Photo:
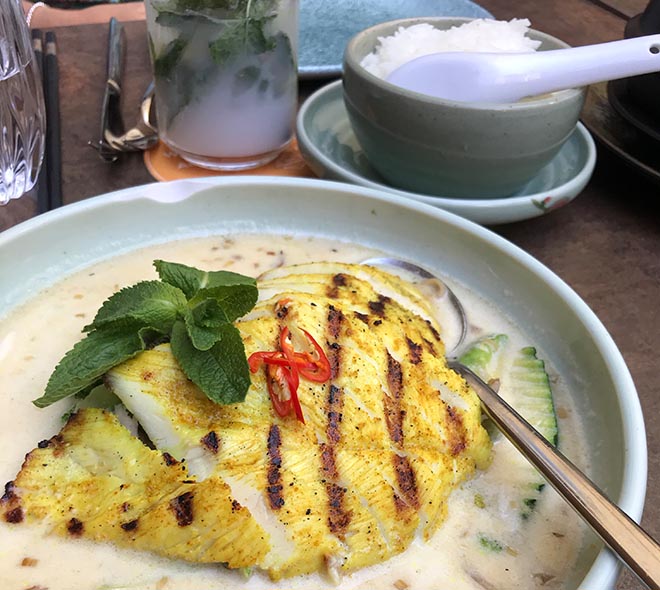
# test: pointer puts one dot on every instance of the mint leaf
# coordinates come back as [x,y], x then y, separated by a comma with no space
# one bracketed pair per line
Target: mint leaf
[190,308]
[190,279]
[229,44]
[225,278]
[88,361]
[203,323]
[186,278]
[244,36]
[165,62]
[233,300]
[151,337]
[257,40]
[149,303]
[221,372]
[209,313]
[203,338]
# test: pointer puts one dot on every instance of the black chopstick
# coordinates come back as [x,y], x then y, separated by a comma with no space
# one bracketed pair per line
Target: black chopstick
[43,203]
[53,159]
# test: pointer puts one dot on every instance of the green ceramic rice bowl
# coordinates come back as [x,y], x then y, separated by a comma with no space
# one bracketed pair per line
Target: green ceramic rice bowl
[454,149]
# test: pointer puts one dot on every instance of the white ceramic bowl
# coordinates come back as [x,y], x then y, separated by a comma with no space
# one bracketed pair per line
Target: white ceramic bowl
[42,250]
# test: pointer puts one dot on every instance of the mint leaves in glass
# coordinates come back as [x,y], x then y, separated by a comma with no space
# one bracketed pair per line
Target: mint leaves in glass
[226,78]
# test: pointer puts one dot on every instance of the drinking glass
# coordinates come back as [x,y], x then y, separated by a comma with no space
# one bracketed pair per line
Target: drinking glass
[22,114]
[225,74]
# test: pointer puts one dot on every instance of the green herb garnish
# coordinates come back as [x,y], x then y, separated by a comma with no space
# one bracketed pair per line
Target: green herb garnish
[190,308]
[489,543]
[479,501]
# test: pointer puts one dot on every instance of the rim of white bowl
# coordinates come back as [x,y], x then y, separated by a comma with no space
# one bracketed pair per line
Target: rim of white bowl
[604,570]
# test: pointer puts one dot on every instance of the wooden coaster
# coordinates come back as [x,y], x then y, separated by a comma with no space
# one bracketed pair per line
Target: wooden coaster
[163,164]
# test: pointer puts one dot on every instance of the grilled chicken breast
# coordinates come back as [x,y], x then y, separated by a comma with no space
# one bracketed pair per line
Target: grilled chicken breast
[385,441]
[96,480]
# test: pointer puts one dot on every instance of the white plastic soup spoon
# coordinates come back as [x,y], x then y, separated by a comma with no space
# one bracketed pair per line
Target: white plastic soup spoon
[508,77]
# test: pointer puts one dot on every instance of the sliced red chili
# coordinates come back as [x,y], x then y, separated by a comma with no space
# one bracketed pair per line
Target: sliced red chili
[313,366]
[256,359]
[277,388]
[317,368]
[285,345]
[284,368]
[283,390]
[297,409]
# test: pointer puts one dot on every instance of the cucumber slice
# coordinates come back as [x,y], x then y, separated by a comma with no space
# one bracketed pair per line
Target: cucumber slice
[483,356]
[529,387]
[525,385]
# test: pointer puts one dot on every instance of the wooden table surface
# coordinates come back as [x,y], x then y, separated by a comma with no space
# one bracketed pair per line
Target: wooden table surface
[606,244]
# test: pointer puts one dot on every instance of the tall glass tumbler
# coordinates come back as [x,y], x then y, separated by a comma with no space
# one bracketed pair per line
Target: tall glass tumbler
[226,78]
[22,115]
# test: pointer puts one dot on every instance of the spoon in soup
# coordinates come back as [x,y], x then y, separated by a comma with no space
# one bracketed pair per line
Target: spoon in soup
[509,77]
[636,548]
[437,292]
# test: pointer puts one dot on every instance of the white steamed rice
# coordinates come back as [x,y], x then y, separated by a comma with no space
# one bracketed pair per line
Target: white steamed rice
[484,35]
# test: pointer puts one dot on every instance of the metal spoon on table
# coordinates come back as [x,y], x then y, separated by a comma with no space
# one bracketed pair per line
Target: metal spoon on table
[635,548]
[138,138]
[114,138]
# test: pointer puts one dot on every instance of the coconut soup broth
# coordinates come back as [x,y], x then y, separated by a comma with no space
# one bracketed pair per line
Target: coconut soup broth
[528,553]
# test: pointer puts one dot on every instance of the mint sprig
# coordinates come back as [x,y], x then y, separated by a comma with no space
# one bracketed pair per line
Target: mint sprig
[221,371]
[191,280]
[190,308]
[149,303]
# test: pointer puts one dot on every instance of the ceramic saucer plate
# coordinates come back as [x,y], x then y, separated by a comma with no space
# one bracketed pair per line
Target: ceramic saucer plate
[326,27]
[329,146]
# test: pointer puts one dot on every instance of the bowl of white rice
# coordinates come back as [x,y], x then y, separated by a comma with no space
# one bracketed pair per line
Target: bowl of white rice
[433,146]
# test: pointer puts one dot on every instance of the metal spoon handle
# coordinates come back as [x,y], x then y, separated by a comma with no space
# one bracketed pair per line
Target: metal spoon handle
[629,541]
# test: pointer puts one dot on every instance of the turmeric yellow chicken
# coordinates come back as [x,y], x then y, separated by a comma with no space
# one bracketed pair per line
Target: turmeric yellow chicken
[376,440]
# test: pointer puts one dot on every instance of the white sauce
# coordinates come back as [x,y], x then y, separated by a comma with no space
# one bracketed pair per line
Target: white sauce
[536,553]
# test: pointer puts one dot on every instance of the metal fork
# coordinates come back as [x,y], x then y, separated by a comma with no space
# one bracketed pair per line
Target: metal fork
[138,138]
[114,139]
